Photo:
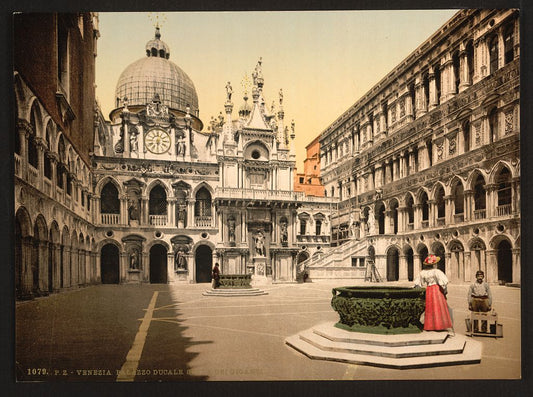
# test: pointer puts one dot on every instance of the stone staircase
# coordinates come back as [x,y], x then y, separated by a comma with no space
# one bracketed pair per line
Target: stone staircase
[404,351]
[234,292]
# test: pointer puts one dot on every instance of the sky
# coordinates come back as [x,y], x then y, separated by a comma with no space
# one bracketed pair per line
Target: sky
[323,60]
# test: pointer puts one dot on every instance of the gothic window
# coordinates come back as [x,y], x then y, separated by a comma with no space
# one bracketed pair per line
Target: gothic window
[470,61]
[47,163]
[437,82]
[429,145]
[508,42]
[380,212]
[441,205]
[458,198]
[479,193]
[456,71]
[62,57]
[425,206]
[69,184]
[410,209]
[466,136]
[33,158]
[157,204]
[109,202]
[493,125]
[503,181]
[493,52]
[202,206]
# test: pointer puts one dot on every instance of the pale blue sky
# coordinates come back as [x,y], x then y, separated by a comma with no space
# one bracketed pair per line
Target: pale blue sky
[324,61]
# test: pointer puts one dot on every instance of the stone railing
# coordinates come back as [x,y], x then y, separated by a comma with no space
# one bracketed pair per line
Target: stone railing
[18,166]
[110,219]
[157,220]
[307,238]
[235,281]
[458,218]
[503,210]
[480,214]
[47,187]
[33,176]
[203,221]
[258,194]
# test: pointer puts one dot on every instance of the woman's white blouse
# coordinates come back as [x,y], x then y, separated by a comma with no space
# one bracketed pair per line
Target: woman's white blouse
[431,277]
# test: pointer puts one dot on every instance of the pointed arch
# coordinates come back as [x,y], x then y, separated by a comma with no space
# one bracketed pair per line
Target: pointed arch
[162,184]
[104,181]
[23,218]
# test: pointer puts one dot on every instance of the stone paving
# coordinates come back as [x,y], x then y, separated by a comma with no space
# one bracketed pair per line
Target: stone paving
[172,333]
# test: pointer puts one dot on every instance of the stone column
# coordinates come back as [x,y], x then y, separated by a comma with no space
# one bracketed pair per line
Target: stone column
[433,100]
[491,275]
[464,81]
[450,271]
[402,271]
[468,266]
[66,267]
[432,213]
[389,227]
[190,213]
[412,164]
[491,200]
[378,172]
[469,204]
[123,210]
[27,274]
[171,212]
[416,265]
[448,200]
[516,265]
[515,188]
[402,216]
[387,177]
[418,216]
[447,78]
[402,165]
[144,210]
[43,265]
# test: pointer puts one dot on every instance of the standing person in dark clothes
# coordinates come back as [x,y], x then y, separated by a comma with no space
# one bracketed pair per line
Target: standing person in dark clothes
[216,276]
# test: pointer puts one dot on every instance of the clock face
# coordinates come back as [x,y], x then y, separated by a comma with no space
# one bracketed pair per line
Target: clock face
[157,141]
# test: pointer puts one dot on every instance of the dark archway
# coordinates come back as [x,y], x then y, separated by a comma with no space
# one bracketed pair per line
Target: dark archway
[158,264]
[302,256]
[109,264]
[204,264]
[393,264]
[18,259]
[505,262]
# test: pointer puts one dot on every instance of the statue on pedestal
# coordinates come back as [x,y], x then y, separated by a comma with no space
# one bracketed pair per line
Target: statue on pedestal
[259,240]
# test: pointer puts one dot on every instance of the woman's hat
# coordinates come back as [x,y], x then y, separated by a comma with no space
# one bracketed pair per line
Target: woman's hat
[431,260]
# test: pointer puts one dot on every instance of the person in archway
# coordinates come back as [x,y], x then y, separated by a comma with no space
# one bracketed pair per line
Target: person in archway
[215,275]
[437,316]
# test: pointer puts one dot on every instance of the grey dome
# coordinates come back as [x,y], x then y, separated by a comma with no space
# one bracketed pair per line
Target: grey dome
[155,74]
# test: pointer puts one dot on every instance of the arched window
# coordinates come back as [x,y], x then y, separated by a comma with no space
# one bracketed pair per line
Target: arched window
[303,227]
[33,157]
[47,163]
[458,198]
[508,43]
[493,51]
[425,206]
[410,210]
[202,206]
[466,136]
[318,227]
[380,212]
[436,70]
[109,201]
[493,125]
[158,201]
[479,193]
[470,61]
[503,180]
[441,205]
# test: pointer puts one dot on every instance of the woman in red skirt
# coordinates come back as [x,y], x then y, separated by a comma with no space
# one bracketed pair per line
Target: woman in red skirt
[437,317]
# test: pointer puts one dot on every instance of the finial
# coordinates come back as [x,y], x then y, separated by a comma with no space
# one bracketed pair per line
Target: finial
[281,96]
[125,102]
[229,91]
[156,18]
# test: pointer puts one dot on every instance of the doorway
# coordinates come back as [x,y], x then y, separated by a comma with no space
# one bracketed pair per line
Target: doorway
[158,264]
[204,264]
[109,264]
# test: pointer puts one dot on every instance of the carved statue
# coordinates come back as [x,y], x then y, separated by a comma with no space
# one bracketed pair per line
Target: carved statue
[229,91]
[259,240]
[134,145]
[371,222]
[231,225]
[134,259]
[181,147]
[284,234]
[133,210]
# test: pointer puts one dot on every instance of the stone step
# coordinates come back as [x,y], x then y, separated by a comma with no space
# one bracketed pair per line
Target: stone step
[471,354]
[329,331]
[234,292]
[453,345]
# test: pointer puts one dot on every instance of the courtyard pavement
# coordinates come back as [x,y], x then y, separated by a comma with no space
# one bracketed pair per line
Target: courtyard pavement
[157,332]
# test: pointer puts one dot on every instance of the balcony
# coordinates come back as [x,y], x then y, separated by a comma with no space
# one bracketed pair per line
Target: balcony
[33,176]
[312,239]
[257,194]
[503,210]
[458,218]
[441,221]
[425,224]
[480,214]
[203,221]
[410,226]
[47,187]
[18,165]
[110,219]
[157,220]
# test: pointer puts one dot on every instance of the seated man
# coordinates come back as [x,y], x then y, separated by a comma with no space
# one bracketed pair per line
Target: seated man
[480,297]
